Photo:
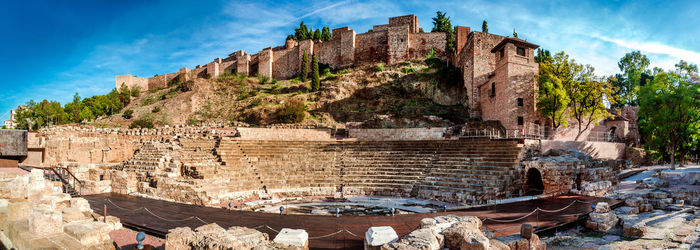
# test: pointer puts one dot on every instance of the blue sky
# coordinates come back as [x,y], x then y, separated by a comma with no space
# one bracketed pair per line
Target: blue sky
[52,49]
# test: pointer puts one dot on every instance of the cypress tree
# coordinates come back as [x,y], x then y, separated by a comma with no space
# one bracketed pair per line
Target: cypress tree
[316,80]
[485,27]
[304,67]
[317,35]
[326,34]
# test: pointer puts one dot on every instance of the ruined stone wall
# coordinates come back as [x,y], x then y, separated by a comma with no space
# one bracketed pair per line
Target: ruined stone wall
[397,134]
[284,134]
[265,59]
[605,150]
[421,44]
[13,142]
[86,148]
[371,47]
[347,48]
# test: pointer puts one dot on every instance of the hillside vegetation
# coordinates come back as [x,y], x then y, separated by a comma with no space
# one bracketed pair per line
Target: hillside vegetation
[412,94]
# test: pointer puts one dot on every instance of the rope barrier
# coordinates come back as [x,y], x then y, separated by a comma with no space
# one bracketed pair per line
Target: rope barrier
[171,220]
[268,227]
[512,220]
[327,235]
[110,201]
[348,231]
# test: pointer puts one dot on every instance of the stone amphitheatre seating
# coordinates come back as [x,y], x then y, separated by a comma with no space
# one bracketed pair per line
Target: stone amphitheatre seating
[466,171]
[301,167]
[472,170]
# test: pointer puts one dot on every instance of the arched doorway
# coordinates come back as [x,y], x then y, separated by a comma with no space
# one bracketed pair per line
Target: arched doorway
[534,184]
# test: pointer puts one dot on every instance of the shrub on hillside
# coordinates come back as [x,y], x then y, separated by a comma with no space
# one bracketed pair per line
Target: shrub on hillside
[155,110]
[293,111]
[136,91]
[128,114]
[379,67]
[143,122]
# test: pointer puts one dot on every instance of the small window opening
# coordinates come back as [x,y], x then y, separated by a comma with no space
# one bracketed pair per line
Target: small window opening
[521,121]
[521,51]
[493,89]
[520,102]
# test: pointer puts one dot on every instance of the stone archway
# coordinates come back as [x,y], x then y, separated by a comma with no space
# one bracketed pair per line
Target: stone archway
[533,182]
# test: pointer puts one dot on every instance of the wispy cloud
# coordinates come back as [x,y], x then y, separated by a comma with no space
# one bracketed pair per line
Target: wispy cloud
[654,47]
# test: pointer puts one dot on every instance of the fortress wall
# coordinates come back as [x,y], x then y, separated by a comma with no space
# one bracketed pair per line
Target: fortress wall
[398,44]
[327,52]
[397,134]
[408,20]
[422,43]
[283,134]
[265,59]
[371,46]
[200,72]
[131,82]
[308,47]
[161,81]
[347,48]
[227,66]
[285,63]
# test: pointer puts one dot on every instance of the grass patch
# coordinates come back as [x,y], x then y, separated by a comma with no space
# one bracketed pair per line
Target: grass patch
[379,67]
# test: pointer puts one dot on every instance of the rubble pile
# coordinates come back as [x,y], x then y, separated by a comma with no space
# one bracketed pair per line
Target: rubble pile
[213,236]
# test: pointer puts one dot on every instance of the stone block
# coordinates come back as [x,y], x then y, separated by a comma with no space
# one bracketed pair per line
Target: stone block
[88,234]
[636,230]
[71,214]
[464,234]
[179,238]
[18,187]
[56,201]
[44,221]
[602,207]
[18,210]
[628,210]
[602,217]
[497,245]
[634,201]
[36,175]
[377,236]
[38,189]
[474,242]
[293,237]
[526,231]
[81,204]
[646,208]
[4,203]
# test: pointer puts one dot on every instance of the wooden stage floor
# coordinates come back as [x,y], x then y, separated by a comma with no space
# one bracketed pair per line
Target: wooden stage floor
[157,217]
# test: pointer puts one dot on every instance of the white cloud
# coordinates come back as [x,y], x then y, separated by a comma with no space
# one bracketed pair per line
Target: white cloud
[653,47]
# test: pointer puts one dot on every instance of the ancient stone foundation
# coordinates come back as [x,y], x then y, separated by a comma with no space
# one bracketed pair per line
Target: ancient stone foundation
[35,214]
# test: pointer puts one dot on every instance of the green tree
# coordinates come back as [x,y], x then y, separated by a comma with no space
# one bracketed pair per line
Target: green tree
[552,100]
[542,55]
[304,67]
[290,37]
[587,93]
[515,34]
[76,108]
[316,80]
[136,91]
[442,23]
[317,35]
[124,94]
[669,112]
[302,33]
[326,34]
[485,27]
[632,66]
[86,114]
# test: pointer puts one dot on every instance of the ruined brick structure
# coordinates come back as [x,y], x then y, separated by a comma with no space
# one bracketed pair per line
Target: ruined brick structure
[498,72]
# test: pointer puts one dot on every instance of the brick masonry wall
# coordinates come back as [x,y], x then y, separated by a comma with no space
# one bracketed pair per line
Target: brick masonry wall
[285,63]
[371,47]
[409,20]
[161,81]
[514,78]
[347,48]
[397,134]
[398,44]
[327,52]
[422,43]
[131,82]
